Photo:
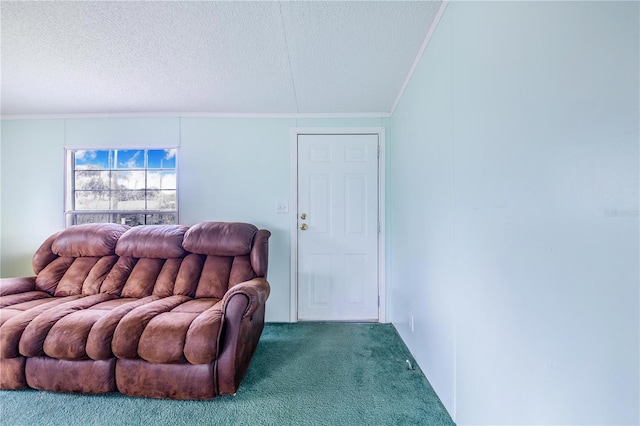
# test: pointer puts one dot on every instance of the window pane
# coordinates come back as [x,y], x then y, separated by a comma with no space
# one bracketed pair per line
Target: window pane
[162,219]
[93,180]
[125,218]
[128,200]
[92,200]
[161,200]
[87,159]
[130,159]
[162,158]
[128,180]
[161,180]
[81,219]
[131,219]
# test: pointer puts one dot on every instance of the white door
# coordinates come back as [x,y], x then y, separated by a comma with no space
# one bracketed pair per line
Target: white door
[337,227]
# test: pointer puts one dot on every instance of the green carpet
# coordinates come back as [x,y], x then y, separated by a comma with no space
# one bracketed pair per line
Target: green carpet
[301,374]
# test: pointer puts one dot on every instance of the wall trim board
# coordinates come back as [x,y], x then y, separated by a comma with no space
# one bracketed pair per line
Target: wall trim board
[416,61]
[197,115]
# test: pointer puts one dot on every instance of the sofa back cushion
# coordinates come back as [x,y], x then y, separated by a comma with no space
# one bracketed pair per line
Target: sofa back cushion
[220,238]
[202,261]
[157,251]
[89,240]
[78,259]
[152,241]
[227,247]
[44,256]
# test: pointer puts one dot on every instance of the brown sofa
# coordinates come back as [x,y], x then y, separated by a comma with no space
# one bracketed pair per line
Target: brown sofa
[162,311]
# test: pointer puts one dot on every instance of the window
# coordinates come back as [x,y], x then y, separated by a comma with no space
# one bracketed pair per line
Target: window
[127,186]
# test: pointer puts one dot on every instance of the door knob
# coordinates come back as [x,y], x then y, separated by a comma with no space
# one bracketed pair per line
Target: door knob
[303,216]
[304,227]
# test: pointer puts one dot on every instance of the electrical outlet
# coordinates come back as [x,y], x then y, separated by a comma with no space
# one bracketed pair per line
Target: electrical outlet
[411,322]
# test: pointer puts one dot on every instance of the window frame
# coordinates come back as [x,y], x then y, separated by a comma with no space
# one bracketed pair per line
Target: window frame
[70,213]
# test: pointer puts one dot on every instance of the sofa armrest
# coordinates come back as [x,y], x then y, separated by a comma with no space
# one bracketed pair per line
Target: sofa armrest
[256,290]
[243,321]
[17,285]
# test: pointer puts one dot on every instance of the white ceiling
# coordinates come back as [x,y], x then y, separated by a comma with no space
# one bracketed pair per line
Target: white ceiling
[98,57]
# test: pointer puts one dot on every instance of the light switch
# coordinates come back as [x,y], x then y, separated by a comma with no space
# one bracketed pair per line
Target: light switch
[282,207]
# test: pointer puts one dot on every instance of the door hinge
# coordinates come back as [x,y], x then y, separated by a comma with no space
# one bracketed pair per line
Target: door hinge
[378,300]
[378,151]
[379,227]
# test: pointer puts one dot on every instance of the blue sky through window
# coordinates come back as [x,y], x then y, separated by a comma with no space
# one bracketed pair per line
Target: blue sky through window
[86,159]
[130,159]
[125,159]
[162,158]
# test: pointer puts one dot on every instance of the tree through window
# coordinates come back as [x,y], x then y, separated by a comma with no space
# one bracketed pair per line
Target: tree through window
[127,186]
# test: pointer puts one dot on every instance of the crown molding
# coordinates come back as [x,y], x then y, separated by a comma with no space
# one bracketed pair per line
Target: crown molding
[425,43]
[193,115]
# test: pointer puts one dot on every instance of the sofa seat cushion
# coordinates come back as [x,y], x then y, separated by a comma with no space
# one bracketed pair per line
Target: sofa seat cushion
[162,341]
[129,329]
[196,306]
[201,343]
[18,308]
[8,313]
[168,337]
[34,335]
[15,299]
[99,339]
[67,339]
[12,329]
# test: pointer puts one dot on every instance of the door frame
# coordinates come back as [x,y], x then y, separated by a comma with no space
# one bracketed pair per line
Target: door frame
[380,132]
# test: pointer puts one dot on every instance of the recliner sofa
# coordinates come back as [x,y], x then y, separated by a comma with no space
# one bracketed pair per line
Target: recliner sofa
[162,311]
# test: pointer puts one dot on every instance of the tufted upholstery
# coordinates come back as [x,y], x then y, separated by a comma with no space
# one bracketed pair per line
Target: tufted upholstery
[157,242]
[90,240]
[77,260]
[114,301]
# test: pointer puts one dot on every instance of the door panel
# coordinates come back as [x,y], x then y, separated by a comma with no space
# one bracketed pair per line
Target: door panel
[338,250]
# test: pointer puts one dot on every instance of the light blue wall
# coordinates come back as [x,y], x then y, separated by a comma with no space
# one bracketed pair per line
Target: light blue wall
[233,169]
[237,170]
[32,190]
[514,183]
[420,197]
[121,132]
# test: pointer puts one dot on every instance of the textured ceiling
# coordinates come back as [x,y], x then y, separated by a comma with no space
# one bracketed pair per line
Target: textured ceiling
[98,57]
